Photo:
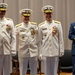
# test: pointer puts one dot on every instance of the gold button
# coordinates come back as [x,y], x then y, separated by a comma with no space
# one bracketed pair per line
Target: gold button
[45,34]
[50,40]
[22,37]
[50,45]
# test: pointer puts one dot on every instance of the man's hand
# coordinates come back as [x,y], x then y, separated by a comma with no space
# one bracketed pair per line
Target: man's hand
[61,54]
[13,53]
[40,57]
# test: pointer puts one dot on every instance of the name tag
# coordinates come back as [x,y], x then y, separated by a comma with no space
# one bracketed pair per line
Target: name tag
[22,30]
[44,29]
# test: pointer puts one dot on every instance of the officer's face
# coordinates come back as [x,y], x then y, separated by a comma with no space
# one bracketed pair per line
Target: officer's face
[26,19]
[2,14]
[48,16]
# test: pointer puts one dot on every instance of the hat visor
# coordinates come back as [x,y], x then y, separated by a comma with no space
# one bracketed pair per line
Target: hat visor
[26,14]
[3,9]
[48,11]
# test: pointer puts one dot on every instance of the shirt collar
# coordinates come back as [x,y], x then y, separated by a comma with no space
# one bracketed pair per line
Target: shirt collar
[25,25]
[49,22]
[2,19]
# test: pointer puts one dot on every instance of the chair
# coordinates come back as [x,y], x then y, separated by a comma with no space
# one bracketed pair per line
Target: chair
[66,61]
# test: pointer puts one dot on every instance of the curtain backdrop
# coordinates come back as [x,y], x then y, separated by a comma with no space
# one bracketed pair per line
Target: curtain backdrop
[64,11]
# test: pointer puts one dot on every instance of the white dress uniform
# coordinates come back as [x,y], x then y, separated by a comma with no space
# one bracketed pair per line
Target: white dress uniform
[28,50]
[7,44]
[51,46]
[7,41]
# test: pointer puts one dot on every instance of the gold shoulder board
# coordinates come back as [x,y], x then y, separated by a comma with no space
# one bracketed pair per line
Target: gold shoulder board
[57,22]
[18,25]
[8,18]
[41,23]
[34,23]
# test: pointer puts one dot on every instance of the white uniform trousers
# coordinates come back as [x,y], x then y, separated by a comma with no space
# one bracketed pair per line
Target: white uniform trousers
[51,65]
[5,64]
[23,64]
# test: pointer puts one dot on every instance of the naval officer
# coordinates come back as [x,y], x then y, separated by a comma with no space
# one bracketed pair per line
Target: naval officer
[51,41]
[7,40]
[27,42]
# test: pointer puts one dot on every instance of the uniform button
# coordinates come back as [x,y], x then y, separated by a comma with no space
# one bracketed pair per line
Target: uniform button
[50,40]
[45,34]
[50,45]
[61,42]
[50,34]
[23,37]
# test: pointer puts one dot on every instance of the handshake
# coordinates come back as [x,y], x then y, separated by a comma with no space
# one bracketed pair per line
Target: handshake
[54,31]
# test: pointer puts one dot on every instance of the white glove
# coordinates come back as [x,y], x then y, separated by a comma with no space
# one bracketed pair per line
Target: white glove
[40,57]
[13,53]
[61,54]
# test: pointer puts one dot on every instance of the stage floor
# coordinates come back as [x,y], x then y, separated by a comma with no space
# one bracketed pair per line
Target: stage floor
[62,73]
[65,73]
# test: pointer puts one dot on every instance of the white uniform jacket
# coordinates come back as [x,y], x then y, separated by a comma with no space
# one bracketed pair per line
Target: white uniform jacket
[7,36]
[50,45]
[27,41]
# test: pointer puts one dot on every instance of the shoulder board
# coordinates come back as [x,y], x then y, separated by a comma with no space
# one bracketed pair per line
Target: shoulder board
[41,23]
[34,23]
[8,18]
[57,22]
[18,25]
